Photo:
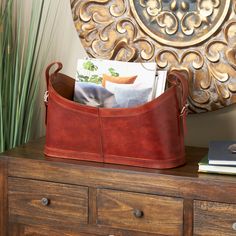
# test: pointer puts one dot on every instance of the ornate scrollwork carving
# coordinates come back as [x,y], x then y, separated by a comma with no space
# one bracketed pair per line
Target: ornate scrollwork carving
[189,15]
[189,22]
[197,36]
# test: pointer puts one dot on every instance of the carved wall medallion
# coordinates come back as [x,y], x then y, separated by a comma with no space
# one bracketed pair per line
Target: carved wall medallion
[196,36]
[180,23]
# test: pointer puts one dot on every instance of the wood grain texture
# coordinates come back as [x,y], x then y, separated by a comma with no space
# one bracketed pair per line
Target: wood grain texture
[188,217]
[163,215]
[3,197]
[92,205]
[67,203]
[171,183]
[97,199]
[16,229]
[212,218]
[25,230]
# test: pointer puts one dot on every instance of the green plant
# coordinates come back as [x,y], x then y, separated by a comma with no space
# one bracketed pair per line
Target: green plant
[20,68]
[88,65]
[91,79]
[95,79]
[113,72]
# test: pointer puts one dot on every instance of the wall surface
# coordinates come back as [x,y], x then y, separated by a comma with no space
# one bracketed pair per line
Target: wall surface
[217,125]
[66,47]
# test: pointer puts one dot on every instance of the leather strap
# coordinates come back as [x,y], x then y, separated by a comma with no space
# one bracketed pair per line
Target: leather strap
[47,72]
[47,76]
[180,80]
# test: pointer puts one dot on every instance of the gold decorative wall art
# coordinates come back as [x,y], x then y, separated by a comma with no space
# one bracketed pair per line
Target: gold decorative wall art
[195,36]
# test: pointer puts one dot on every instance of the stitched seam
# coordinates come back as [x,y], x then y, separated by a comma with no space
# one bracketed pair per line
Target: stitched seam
[101,135]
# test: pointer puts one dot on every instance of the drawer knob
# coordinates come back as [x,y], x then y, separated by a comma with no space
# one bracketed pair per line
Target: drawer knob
[45,201]
[234,226]
[138,213]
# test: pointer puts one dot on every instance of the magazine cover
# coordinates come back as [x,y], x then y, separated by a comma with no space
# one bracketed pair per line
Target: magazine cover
[132,83]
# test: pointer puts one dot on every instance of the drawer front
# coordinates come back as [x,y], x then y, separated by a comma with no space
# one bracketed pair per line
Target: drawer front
[38,202]
[25,230]
[140,212]
[212,218]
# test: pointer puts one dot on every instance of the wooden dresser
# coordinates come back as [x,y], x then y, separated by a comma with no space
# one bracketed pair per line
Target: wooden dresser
[47,197]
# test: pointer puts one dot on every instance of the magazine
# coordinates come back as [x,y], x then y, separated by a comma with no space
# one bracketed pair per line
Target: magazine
[131,83]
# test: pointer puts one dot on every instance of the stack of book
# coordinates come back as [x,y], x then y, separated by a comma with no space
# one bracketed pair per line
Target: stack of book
[221,158]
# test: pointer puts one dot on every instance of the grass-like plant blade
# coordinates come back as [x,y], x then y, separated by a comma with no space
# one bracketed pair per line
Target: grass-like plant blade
[21,64]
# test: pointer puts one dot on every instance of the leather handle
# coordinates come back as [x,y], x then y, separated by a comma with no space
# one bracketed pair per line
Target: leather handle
[180,80]
[48,69]
[47,76]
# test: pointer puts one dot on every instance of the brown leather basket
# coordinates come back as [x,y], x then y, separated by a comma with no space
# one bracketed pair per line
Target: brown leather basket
[149,135]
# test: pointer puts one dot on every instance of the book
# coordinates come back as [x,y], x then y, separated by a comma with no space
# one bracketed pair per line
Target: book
[205,167]
[220,154]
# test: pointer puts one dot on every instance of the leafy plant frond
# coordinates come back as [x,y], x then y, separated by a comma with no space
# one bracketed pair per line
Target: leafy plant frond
[21,64]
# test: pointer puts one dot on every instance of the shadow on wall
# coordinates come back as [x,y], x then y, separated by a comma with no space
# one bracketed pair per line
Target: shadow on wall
[216,125]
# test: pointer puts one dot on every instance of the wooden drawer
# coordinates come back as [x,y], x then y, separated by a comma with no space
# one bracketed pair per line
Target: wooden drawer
[140,212]
[45,203]
[212,218]
[25,230]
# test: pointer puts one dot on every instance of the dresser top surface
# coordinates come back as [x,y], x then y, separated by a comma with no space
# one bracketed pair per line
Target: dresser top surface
[28,161]
[34,151]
